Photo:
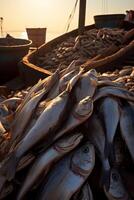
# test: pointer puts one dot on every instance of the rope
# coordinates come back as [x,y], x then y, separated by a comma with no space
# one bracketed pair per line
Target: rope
[71,16]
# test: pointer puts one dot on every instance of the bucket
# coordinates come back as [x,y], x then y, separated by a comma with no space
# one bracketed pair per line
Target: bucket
[11,52]
[109,21]
[37,35]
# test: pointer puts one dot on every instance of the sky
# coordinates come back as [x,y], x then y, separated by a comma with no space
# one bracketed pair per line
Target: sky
[53,14]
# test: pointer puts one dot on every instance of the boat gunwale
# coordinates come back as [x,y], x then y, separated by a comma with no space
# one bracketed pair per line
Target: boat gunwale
[16,46]
[26,61]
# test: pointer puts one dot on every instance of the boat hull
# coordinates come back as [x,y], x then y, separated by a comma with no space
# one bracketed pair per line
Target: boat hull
[27,67]
[9,58]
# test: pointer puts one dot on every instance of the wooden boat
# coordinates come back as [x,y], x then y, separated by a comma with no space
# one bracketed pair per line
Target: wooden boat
[111,20]
[12,51]
[27,66]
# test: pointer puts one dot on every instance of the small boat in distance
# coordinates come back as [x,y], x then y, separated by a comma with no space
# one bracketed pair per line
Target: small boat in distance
[12,51]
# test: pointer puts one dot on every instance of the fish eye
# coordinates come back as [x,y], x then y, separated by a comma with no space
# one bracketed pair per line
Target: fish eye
[115,177]
[86,150]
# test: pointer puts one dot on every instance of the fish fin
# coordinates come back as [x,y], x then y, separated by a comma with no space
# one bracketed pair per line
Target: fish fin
[105,178]
[73,81]
[69,87]
[9,167]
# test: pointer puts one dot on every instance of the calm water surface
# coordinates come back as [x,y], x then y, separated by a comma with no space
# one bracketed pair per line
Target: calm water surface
[23,35]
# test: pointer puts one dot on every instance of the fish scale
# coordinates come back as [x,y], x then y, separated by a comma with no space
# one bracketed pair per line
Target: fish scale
[42,165]
[47,122]
[96,135]
[109,111]
[67,178]
[57,170]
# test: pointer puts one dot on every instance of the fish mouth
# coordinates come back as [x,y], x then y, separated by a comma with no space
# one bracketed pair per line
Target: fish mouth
[79,171]
[79,117]
[84,110]
[125,197]
[75,141]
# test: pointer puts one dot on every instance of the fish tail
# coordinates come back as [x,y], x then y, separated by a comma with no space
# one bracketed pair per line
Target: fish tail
[105,178]
[9,167]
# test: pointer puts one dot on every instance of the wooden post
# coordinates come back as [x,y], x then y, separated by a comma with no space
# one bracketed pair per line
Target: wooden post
[1,26]
[82,15]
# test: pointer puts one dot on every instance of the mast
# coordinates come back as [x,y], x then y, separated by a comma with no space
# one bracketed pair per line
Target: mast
[82,16]
[1,26]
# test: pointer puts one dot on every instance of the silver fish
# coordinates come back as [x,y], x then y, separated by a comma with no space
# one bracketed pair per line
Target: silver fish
[106,76]
[48,122]
[110,114]
[96,136]
[80,113]
[125,72]
[103,83]
[42,84]
[113,91]
[86,86]
[12,103]
[74,65]
[61,85]
[18,126]
[66,78]
[42,165]
[117,190]
[56,90]
[127,127]
[69,174]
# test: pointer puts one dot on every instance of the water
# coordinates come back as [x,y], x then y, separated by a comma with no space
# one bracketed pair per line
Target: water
[23,35]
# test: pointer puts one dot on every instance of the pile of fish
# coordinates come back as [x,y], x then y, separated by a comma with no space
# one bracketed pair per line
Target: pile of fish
[92,43]
[123,78]
[70,136]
